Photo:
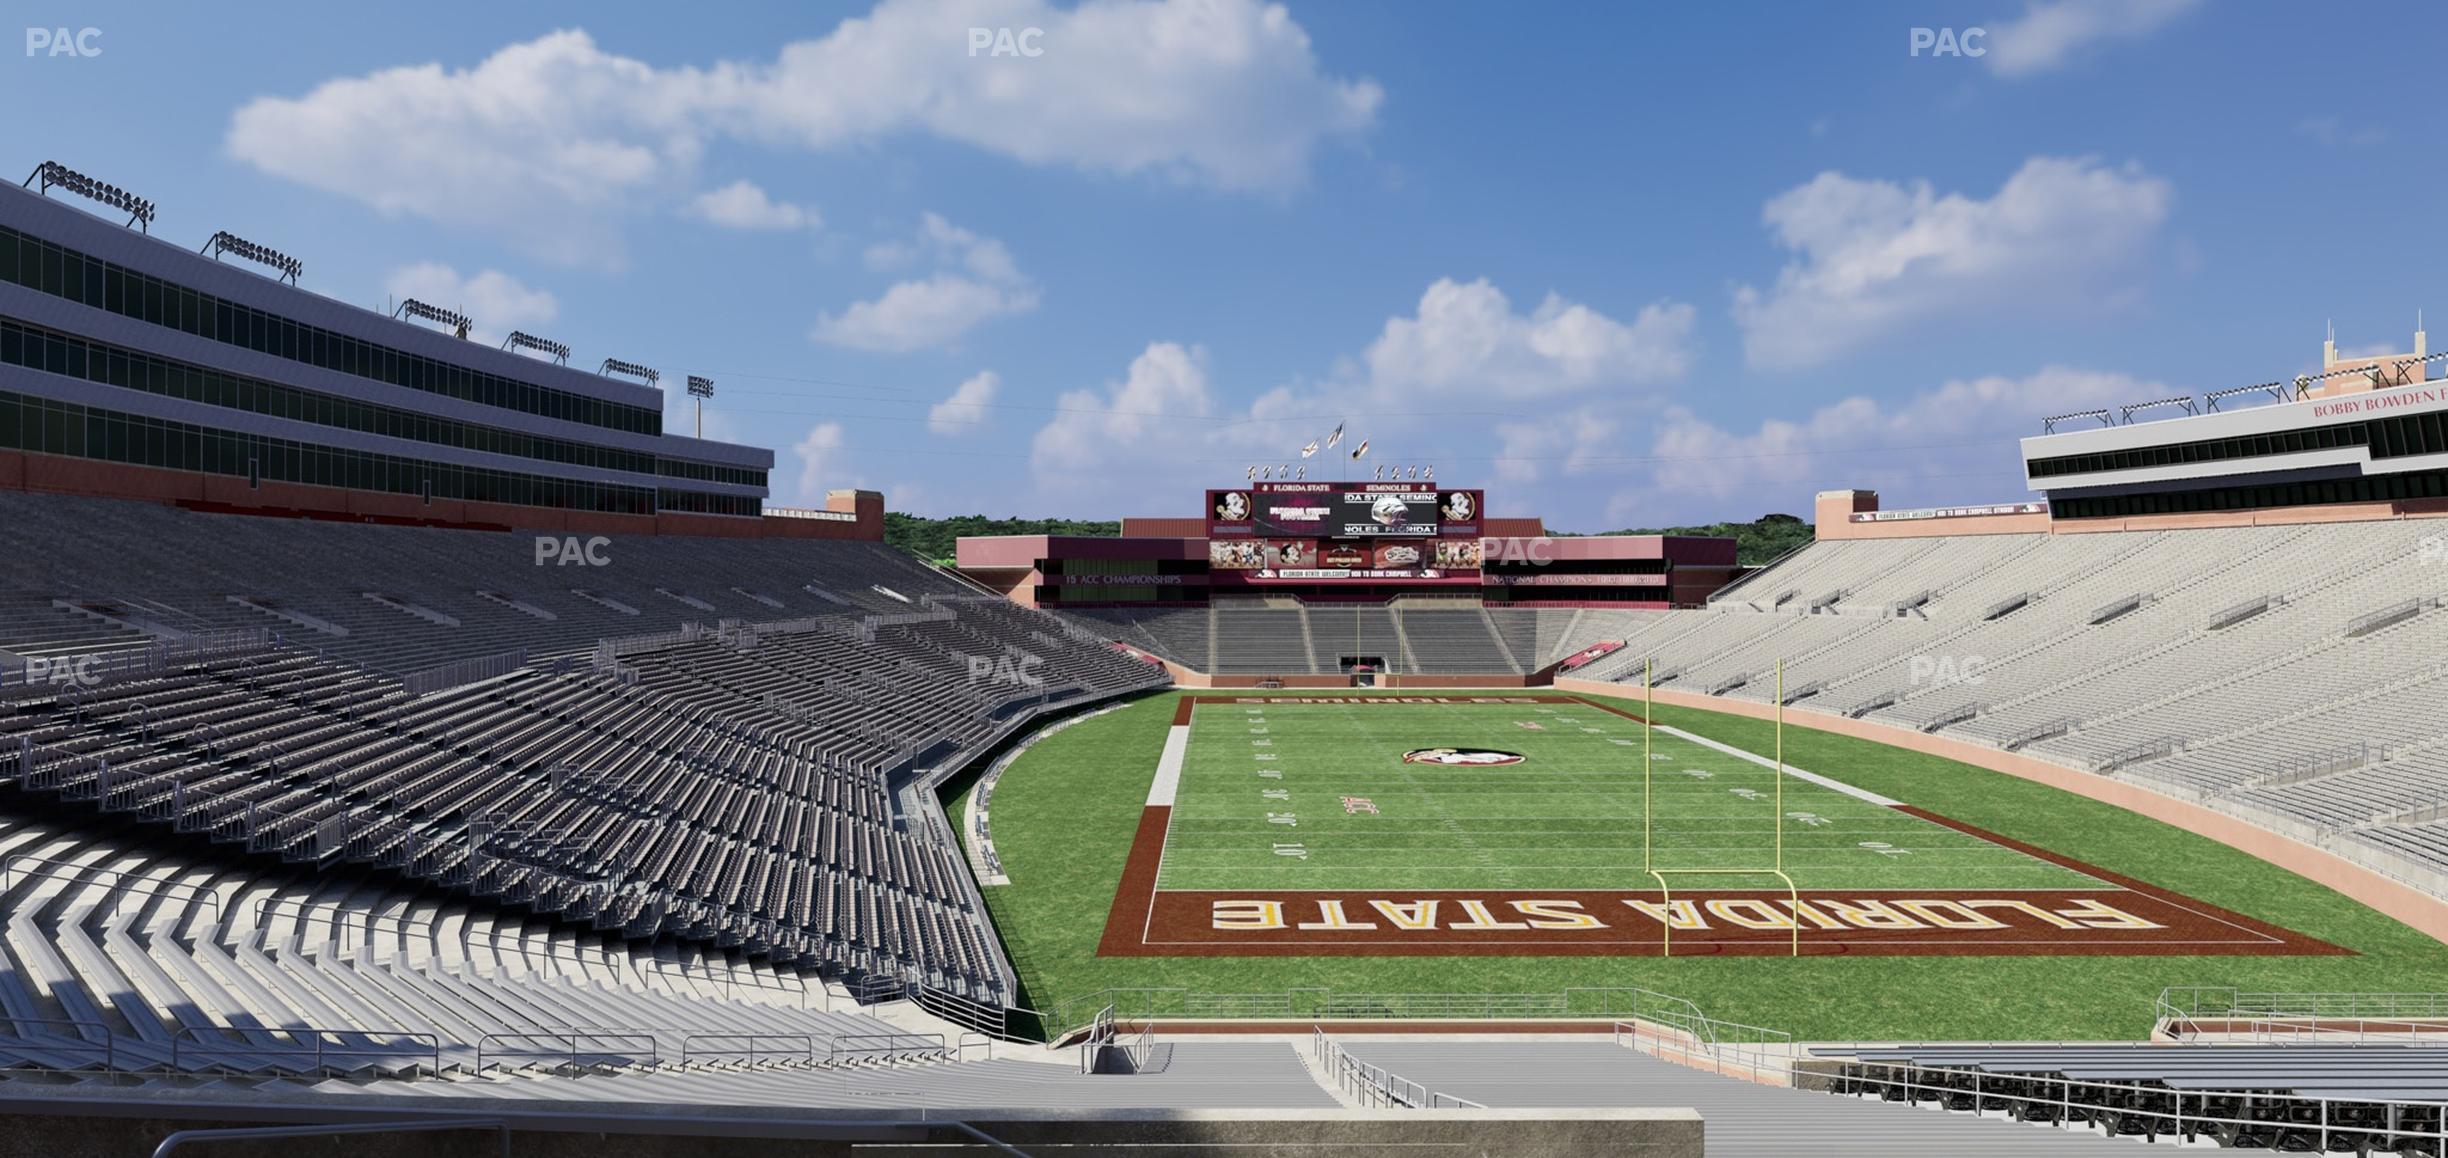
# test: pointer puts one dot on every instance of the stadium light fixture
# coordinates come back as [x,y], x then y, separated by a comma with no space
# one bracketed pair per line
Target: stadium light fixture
[521,339]
[458,322]
[647,374]
[2125,413]
[139,210]
[290,268]
[2277,390]
[700,388]
[2049,425]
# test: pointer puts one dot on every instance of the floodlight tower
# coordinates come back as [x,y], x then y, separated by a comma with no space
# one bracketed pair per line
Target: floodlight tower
[50,173]
[700,388]
[522,340]
[456,321]
[226,242]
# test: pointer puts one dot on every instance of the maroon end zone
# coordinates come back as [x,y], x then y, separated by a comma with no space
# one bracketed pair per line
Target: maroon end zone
[2127,918]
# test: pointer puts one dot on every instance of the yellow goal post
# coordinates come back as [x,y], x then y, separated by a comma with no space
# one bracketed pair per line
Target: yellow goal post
[1649,817]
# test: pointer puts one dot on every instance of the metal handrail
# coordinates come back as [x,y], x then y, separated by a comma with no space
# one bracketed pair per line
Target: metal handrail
[2130,1102]
[1306,1003]
[896,1045]
[235,1133]
[1362,1080]
[575,1038]
[9,868]
[429,1044]
[1701,1047]
[80,1044]
[754,1050]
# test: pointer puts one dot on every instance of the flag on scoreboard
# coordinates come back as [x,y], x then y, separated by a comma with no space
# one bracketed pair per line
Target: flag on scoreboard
[1335,439]
[1361,450]
[1310,449]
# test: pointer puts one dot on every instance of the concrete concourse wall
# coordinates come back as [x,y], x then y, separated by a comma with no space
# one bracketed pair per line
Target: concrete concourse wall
[550,1130]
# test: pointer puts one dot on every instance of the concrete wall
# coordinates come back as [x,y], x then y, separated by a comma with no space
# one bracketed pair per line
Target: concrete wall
[1395,682]
[1835,508]
[568,1131]
[2422,911]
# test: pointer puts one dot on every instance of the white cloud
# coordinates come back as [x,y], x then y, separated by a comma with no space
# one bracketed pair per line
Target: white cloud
[1151,423]
[1436,377]
[1940,445]
[975,281]
[966,408]
[823,462]
[1875,256]
[1466,338]
[1569,440]
[494,301]
[742,205]
[915,315]
[2050,34]
[553,141]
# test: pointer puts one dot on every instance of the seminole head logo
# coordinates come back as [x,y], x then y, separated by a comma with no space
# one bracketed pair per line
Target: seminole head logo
[1474,756]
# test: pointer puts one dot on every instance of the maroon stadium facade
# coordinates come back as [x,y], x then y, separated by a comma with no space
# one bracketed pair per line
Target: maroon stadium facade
[1348,542]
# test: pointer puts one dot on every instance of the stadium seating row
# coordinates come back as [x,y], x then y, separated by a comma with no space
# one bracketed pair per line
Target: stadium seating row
[744,786]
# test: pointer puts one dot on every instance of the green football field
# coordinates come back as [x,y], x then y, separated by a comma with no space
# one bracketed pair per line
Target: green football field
[1066,813]
[1331,778]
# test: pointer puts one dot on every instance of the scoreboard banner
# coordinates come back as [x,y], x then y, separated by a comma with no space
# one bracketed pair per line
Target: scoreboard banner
[1296,560]
[1325,510]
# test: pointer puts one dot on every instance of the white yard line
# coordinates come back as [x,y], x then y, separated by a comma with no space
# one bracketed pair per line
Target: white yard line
[1169,767]
[1790,770]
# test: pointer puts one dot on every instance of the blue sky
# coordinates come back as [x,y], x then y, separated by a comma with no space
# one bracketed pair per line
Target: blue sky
[1622,264]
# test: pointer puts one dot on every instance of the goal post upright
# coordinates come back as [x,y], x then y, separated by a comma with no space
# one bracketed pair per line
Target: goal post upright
[1648,766]
[1776,819]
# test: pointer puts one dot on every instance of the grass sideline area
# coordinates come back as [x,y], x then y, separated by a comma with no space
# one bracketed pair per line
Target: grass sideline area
[1065,813]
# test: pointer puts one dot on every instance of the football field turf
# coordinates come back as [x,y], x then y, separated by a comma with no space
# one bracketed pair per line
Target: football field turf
[1085,824]
[1319,795]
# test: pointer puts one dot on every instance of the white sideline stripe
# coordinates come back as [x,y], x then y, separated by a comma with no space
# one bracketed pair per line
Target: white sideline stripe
[1169,766]
[1790,770]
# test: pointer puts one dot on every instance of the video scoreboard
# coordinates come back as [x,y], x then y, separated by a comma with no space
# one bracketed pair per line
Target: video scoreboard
[1311,531]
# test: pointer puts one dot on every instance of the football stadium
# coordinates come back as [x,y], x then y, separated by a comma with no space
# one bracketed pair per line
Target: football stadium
[412,741]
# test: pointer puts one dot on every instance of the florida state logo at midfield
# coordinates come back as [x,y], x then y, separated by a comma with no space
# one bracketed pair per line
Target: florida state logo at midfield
[1470,756]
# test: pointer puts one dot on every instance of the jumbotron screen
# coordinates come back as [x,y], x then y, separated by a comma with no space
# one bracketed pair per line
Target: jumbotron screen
[1326,510]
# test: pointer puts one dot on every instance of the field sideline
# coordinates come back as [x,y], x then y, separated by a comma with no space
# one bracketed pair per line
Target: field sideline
[1067,811]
